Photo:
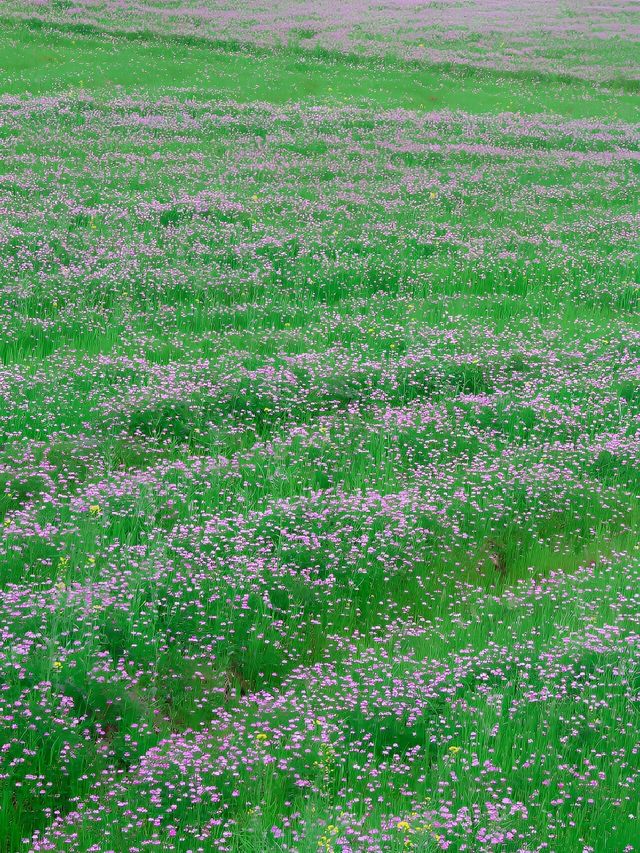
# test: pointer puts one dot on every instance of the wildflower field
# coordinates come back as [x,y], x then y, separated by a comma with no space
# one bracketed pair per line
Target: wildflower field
[319,426]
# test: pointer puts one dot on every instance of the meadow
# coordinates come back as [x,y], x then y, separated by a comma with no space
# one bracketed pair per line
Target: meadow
[319,426]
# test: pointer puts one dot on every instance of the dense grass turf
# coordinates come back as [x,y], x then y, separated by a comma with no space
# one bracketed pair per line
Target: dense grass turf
[319,412]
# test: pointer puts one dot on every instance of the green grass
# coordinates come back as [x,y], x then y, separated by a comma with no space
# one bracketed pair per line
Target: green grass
[319,388]
[42,59]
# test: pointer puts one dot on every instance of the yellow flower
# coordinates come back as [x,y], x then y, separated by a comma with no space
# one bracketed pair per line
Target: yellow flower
[404,826]
[57,664]
[94,509]
[454,749]
[261,737]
